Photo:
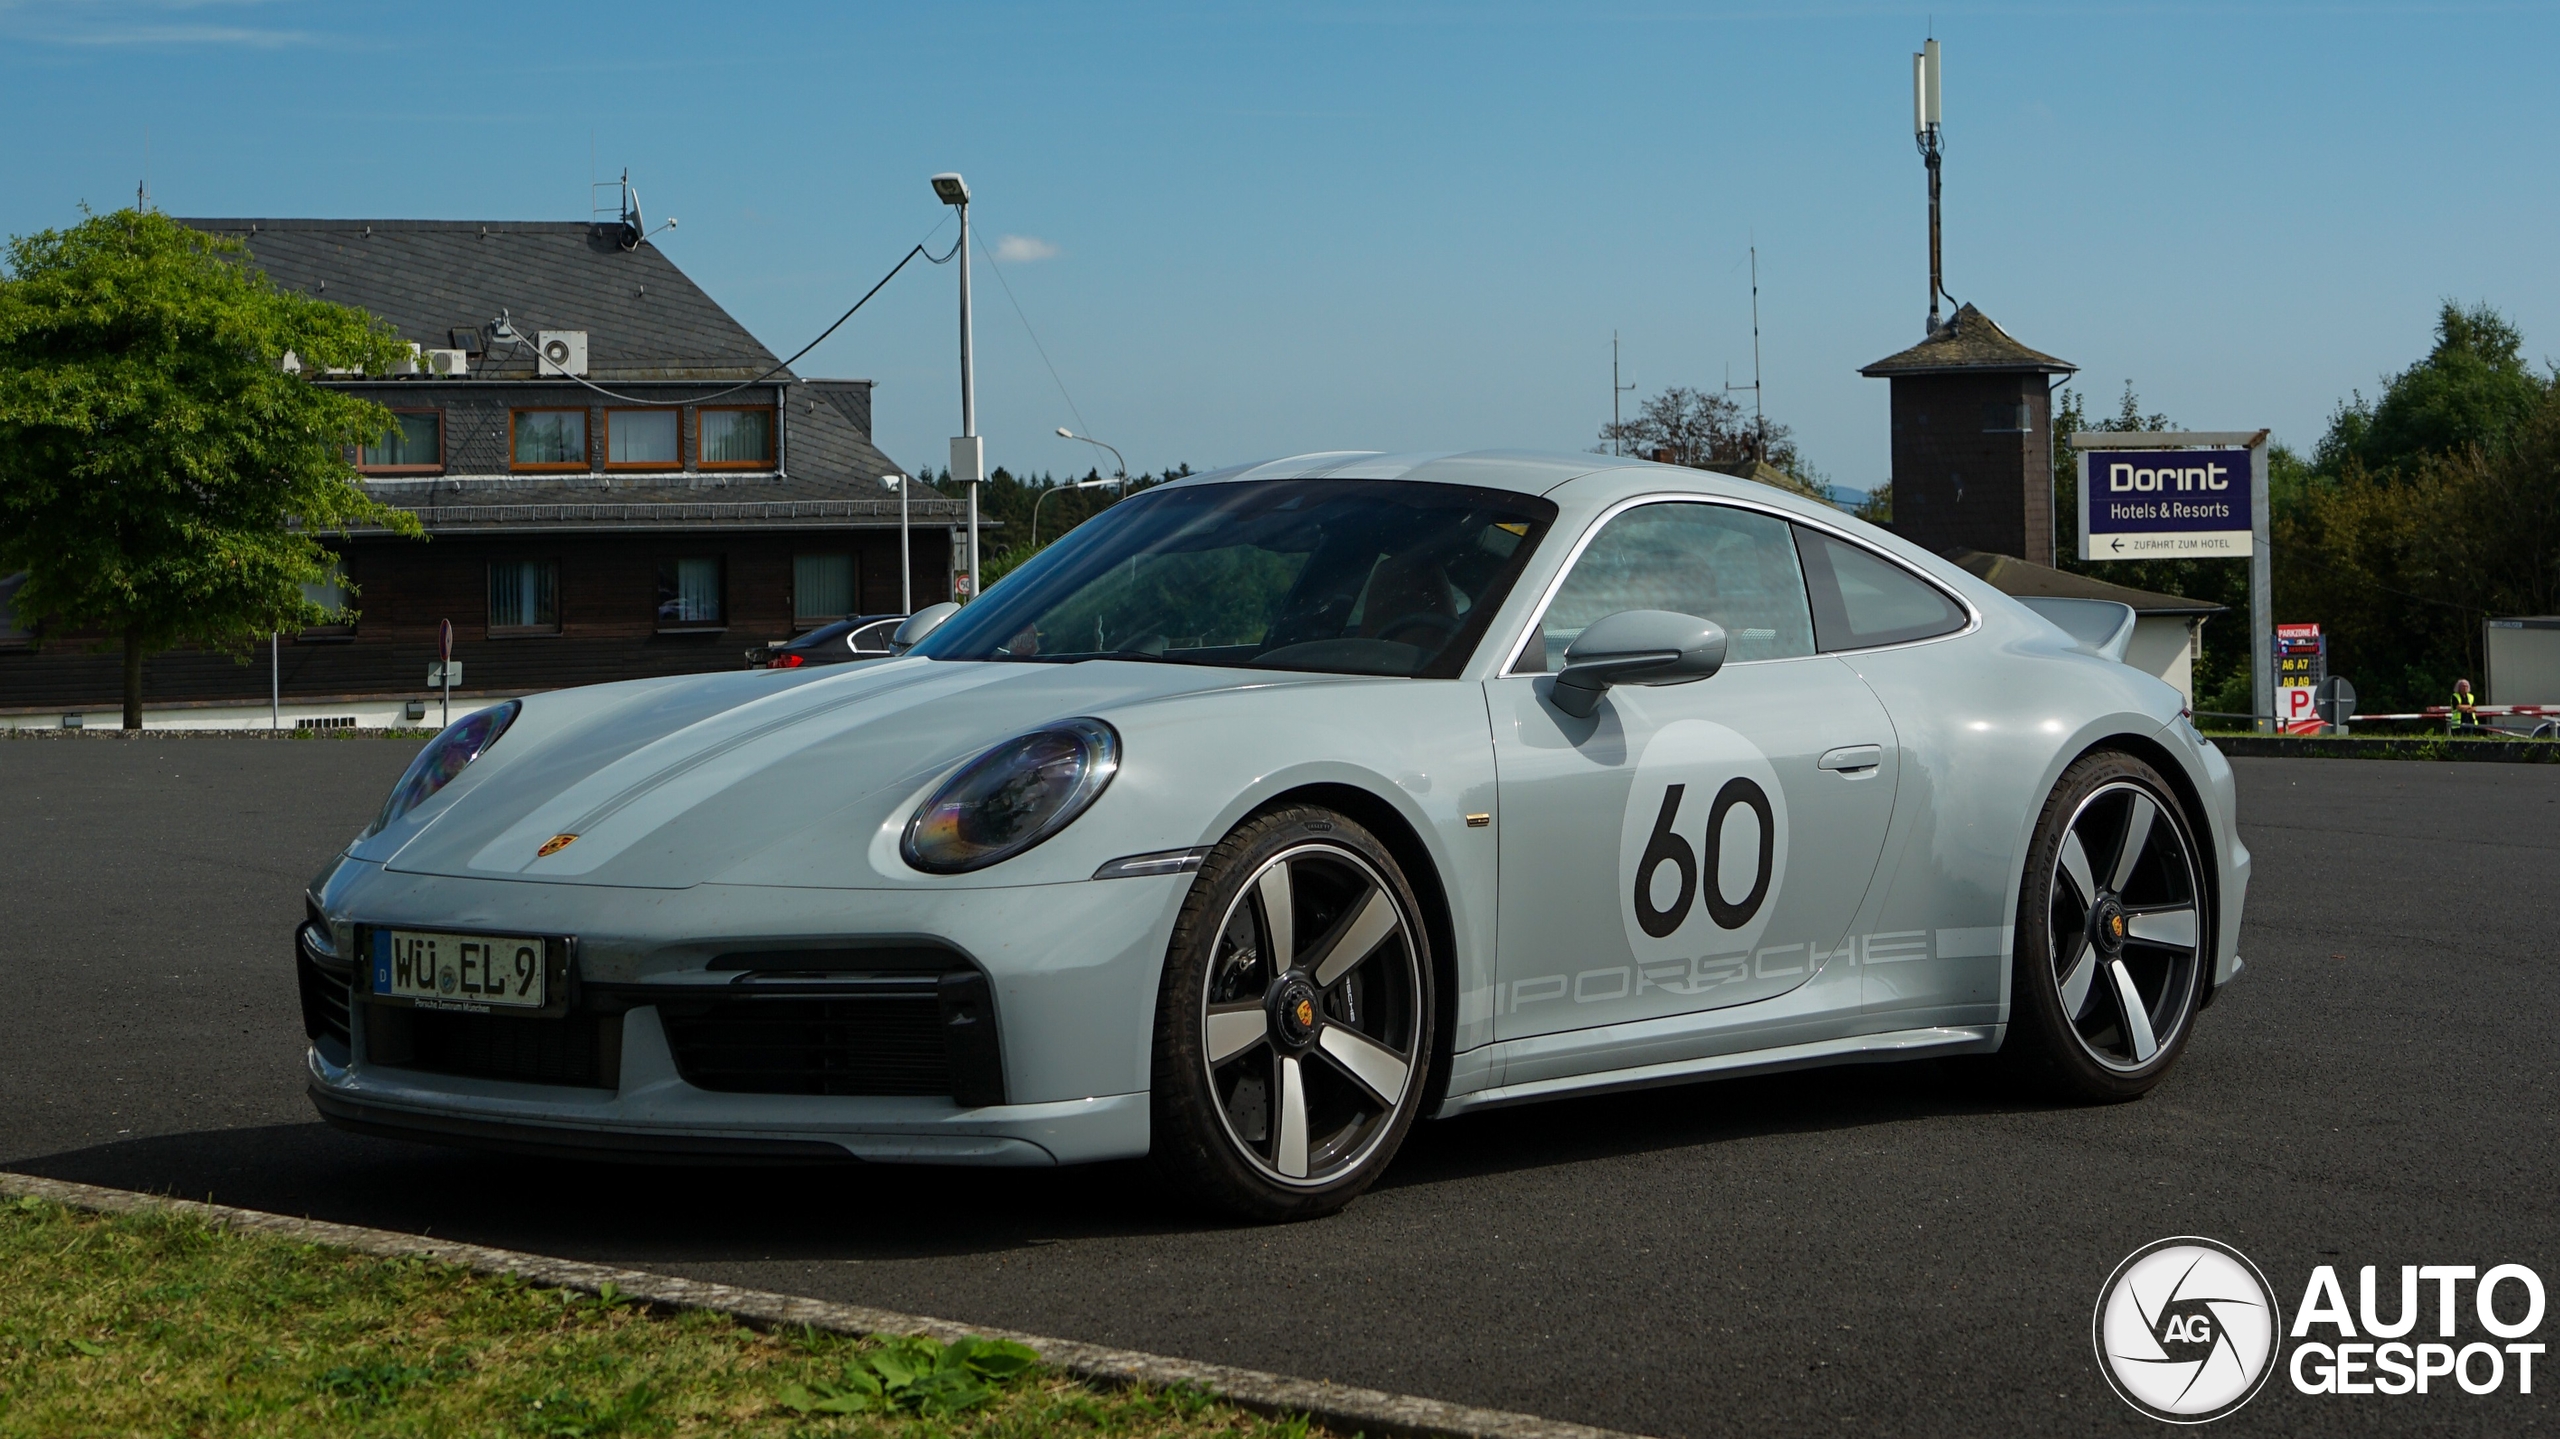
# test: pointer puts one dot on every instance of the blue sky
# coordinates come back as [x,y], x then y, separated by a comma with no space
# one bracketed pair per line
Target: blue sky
[1251,230]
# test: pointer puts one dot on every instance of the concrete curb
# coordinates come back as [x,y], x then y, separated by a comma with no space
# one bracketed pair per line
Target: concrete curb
[2434,747]
[1336,1406]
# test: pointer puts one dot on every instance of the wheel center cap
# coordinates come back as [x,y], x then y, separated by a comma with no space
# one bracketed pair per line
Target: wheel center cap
[2107,925]
[1293,1010]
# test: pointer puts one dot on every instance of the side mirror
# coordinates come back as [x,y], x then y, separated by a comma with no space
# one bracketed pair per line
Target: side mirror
[923,622]
[1636,647]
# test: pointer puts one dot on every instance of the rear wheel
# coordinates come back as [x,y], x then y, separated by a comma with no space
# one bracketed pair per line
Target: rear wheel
[1293,1029]
[2113,936]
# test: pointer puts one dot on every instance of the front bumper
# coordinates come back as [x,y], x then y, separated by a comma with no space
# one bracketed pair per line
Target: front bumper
[1057,980]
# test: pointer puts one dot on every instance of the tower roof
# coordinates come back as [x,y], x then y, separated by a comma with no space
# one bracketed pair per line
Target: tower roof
[1968,343]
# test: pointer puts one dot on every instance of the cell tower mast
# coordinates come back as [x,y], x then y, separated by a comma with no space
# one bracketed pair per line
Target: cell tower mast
[1925,129]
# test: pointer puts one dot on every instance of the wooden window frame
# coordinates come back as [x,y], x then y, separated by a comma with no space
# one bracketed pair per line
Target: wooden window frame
[554,630]
[773,438]
[577,467]
[719,557]
[605,456]
[435,469]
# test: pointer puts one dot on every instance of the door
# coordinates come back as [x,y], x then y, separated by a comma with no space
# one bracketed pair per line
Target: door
[1689,846]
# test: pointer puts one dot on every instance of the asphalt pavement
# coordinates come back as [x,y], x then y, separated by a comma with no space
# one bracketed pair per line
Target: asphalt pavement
[1890,1249]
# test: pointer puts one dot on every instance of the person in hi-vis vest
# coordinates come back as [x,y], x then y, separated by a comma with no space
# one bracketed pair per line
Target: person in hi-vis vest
[2465,711]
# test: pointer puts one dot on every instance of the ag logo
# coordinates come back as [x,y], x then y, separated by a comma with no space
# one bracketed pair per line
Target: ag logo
[2186,1330]
[1702,851]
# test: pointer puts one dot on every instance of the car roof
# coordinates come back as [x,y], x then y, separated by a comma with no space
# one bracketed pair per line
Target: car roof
[1528,472]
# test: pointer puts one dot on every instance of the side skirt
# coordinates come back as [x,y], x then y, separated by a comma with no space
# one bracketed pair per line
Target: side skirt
[1854,1049]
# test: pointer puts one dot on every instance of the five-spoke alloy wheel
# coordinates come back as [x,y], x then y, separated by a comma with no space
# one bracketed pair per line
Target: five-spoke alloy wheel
[1294,1031]
[2113,941]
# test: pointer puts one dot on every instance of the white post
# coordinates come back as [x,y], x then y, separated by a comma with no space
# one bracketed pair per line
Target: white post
[275,680]
[2262,593]
[969,398]
[906,556]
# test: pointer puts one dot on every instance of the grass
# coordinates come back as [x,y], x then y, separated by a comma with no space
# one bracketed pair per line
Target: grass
[159,1323]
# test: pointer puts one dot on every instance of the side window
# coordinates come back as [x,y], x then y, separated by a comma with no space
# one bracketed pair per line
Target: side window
[1861,599]
[1735,567]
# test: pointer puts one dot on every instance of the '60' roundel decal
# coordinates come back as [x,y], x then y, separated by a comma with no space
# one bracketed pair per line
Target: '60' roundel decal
[1702,852]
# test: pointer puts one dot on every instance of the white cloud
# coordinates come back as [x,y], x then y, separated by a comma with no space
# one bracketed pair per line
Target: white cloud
[1024,248]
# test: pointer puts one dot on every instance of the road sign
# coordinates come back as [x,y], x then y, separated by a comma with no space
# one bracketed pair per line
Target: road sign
[2302,666]
[442,675]
[2165,504]
[2181,515]
[444,639]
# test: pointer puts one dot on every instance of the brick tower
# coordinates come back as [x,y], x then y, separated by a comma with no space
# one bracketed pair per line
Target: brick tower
[1973,440]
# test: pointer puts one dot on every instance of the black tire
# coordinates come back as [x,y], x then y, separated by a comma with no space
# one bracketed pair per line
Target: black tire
[2112,955]
[1295,1121]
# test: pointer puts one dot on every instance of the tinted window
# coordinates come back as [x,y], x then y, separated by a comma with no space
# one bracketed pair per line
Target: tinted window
[1736,567]
[1861,599]
[1348,576]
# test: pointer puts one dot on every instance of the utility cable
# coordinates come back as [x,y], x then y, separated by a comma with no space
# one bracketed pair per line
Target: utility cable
[1007,286]
[516,337]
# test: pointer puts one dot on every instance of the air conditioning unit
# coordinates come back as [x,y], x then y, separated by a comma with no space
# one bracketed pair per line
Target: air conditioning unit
[453,363]
[562,352]
[408,366]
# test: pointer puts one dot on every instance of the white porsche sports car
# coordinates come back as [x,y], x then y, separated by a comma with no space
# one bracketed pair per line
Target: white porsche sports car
[1276,808]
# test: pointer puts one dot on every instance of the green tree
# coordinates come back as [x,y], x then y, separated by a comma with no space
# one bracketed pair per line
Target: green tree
[2425,512]
[2472,390]
[165,471]
[1702,429]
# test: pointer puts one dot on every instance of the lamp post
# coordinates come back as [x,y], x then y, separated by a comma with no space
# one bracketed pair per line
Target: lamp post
[1066,434]
[1054,489]
[968,453]
[906,551]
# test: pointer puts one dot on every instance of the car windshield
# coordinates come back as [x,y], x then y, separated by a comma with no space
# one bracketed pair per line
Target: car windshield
[1372,577]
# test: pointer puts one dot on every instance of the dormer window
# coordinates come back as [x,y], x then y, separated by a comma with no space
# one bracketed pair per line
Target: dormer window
[547,439]
[413,445]
[737,437]
[643,439]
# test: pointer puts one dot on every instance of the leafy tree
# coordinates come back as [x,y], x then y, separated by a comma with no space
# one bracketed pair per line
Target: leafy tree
[164,471]
[2472,390]
[1701,429]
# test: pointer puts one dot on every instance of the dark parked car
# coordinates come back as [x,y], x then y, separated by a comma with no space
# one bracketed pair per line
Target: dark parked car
[864,637]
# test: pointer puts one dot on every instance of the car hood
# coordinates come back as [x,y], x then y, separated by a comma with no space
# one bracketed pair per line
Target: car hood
[667,784]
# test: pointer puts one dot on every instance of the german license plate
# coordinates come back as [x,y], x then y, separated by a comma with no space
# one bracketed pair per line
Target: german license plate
[436,970]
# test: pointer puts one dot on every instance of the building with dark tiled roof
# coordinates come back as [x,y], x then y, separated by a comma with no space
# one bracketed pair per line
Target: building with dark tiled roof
[1973,439]
[657,497]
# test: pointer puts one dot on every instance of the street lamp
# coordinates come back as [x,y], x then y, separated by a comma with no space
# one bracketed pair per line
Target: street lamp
[968,452]
[1053,489]
[1066,434]
[906,551]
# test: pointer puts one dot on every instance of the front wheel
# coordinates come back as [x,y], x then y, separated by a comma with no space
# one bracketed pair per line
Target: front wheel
[1293,1029]
[2113,936]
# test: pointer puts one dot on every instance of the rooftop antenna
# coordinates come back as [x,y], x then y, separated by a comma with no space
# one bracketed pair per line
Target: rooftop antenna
[1617,445]
[1925,129]
[635,227]
[1759,416]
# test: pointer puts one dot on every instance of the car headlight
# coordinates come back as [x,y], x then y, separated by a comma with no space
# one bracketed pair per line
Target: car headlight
[1012,797]
[459,744]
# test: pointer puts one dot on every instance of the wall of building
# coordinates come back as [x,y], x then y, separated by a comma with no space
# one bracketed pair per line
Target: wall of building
[607,608]
[1966,472]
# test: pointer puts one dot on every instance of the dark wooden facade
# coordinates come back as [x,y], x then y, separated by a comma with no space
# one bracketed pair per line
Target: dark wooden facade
[1973,440]
[607,609]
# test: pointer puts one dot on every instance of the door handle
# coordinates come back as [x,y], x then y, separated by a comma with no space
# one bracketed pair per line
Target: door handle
[1853,761]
